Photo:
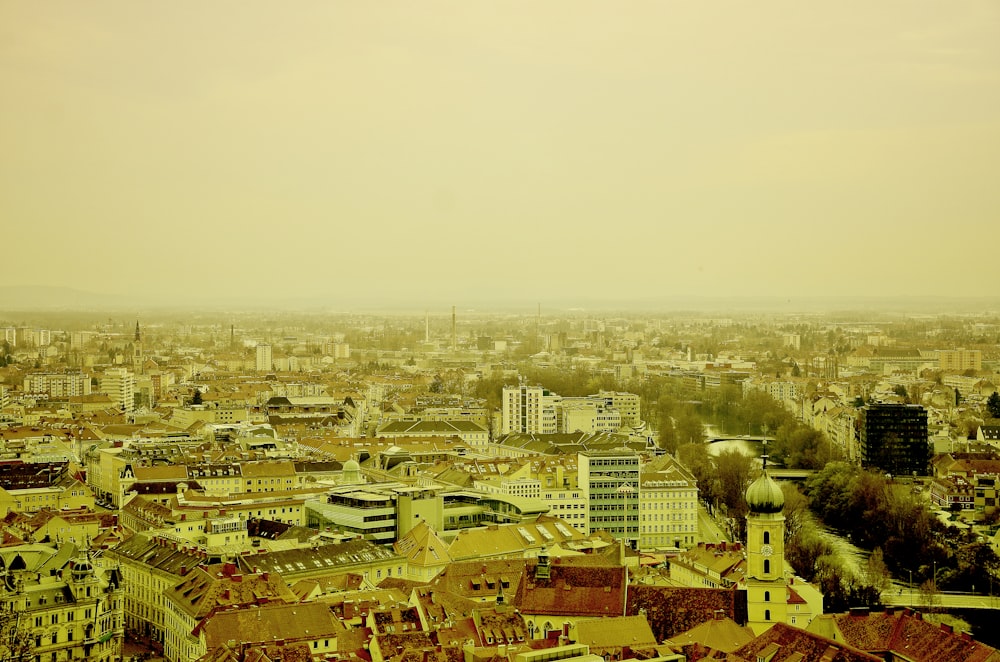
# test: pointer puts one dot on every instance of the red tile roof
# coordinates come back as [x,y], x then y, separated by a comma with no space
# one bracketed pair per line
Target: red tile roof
[672,610]
[575,590]
[791,644]
[907,634]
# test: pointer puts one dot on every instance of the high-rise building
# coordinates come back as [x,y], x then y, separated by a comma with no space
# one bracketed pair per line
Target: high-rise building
[529,410]
[893,438]
[611,481]
[264,360]
[119,384]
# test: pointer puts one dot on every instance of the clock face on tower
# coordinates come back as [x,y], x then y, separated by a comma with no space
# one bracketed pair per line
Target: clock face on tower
[766,550]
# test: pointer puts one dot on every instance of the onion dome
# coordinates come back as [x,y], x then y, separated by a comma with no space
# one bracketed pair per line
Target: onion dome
[765,496]
[352,465]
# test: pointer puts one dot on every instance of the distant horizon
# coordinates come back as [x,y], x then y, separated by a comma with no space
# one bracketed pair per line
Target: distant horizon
[15,299]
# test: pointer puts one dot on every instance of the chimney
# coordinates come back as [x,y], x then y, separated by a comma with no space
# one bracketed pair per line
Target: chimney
[946,628]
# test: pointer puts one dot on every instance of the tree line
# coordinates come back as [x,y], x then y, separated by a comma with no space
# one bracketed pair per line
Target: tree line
[888,518]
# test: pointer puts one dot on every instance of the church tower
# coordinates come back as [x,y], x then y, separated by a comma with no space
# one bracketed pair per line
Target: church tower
[137,354]
[767,587]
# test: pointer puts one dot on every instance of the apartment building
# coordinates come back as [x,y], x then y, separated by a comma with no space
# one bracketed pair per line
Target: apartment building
[627,404]
[119,384]
[151,566]
[54,488]
[668,506]
[585,415]
[960,360]
[264,361]
[529,409]
[58,384]
[536,410]
[206,590]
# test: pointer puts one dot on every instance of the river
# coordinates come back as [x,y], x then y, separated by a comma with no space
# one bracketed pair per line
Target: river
[853,557]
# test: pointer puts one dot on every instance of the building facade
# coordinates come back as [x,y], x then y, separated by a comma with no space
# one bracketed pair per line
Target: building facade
[264,361]
[611,480]
[893,438]
[69,608]
[529,410]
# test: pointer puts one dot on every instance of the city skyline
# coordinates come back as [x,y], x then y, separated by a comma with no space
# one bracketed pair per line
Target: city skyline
[472,152]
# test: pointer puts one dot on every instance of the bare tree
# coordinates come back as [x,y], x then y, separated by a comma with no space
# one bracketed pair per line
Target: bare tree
[16,643]
[929,596]
[876,572]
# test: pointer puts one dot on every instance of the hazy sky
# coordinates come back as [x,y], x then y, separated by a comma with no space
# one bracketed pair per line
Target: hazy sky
[543,150]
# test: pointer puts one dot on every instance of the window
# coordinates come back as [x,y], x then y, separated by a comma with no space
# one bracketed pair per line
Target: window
[767,537]
[767,567]
[767,614]
[767,596]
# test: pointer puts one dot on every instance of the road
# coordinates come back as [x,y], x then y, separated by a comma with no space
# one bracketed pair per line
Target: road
[709,529]
[947,600]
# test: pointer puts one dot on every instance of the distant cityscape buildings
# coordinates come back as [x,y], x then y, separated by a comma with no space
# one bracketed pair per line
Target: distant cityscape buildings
[537,410]
[425,490]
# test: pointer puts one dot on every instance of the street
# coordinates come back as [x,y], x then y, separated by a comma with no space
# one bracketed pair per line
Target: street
[918,599]
[709,529]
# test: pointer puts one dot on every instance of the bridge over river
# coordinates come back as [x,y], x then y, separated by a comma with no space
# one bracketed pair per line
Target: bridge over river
[754,446]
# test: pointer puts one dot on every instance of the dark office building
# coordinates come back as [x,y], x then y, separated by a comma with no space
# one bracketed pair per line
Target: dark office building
[893,438]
